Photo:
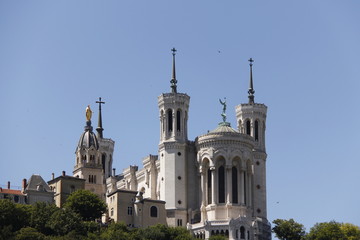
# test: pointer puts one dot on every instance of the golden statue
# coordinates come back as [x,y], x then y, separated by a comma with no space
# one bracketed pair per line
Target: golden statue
[88,113]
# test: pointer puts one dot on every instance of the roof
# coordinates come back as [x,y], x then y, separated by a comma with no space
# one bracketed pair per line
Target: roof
[66,177]
[37,183]
[224,127]
[88,138]
[11,191]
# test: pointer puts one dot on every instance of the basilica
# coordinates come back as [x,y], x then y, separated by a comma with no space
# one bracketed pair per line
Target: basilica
[213,184]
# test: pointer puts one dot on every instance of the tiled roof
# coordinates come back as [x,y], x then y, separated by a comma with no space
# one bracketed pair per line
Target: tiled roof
[11,191]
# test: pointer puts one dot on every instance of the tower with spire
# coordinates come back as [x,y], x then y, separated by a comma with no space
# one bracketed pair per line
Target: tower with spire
[251,120]
[94,156]
[173,146]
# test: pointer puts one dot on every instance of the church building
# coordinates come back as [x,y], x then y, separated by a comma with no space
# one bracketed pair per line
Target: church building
[213,184]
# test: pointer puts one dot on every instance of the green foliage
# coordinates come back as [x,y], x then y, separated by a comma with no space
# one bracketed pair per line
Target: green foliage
[288,229]
[40,216]
[217,237]
[29,233]
[88,205]
[116,231]
[6,233]
[351,231]
[64,221]
[334,231]
[14,215]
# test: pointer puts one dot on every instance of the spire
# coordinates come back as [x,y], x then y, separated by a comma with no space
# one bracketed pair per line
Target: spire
[251,86]
[100,129]
[173,79]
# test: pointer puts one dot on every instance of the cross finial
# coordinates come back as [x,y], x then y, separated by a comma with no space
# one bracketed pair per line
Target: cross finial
[251,61]
[100,102]
[100,129]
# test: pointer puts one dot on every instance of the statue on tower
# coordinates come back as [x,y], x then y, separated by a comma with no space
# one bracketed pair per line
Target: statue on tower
[88,113]
[223,114]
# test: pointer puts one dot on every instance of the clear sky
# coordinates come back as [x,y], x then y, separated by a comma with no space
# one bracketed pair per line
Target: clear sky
[56,57]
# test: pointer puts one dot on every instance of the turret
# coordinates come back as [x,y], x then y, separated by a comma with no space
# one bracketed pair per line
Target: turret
[173,108]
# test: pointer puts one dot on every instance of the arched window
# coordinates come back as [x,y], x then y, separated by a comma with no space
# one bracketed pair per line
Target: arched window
[170,120]
[248,127]
[234,185]
[221,178]
[178,120]
[242,232]
[209,186]
[256,130]
[153,211]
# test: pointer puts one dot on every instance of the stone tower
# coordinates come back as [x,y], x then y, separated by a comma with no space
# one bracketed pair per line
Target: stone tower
[251,120]
[173,108]
[94,156]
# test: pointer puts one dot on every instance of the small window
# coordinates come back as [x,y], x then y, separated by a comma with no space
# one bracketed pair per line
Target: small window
[170,120]
[153,211]
[112,212]
[130,211]
[248,127]
[179,222]
[256,130]
[178,120]
[16,198]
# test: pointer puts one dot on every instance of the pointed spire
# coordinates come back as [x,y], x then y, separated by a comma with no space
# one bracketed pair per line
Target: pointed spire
[251,86]
[173,79]
[100,129]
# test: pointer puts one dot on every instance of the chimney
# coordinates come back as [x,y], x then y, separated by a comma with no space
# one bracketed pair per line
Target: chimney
[8,184]
[24,183]
[52,176]
[63,173]
[114,171]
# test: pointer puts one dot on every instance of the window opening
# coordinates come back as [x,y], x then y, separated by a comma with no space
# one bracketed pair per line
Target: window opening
[248,127]
[209,186]
[234,185]
[221,184]
[153,211]
[256,130]
[130,211]
[170,120]
[178,120]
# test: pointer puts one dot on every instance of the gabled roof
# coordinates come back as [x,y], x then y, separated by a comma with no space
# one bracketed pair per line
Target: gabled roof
[37,183]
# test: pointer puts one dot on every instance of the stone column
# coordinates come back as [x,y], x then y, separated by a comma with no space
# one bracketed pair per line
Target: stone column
[228,185]
[203,186]
[213,186]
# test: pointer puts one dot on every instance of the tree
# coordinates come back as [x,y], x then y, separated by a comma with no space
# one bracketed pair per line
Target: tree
[351,231]
[218,237]
[116,231]
[86,204]
[334,231]
[29,233]
[288,229]
[65,221]
[13,216]
[40,215]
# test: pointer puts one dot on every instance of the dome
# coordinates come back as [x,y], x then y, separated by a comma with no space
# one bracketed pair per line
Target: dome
[88,138]
[224,127]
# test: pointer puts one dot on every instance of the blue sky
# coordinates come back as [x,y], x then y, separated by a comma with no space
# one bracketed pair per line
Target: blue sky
[56,57]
